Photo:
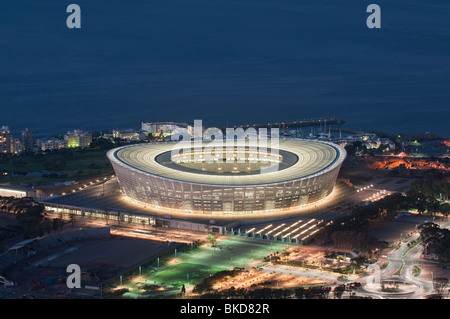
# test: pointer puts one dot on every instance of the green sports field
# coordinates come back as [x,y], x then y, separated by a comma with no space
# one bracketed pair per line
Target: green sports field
[198,264]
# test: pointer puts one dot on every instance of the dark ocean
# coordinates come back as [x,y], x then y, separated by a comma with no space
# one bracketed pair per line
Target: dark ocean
[224,61]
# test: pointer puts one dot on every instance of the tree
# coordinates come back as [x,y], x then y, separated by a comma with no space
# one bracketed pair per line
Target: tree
[299,293]
[119,217]
[440,285]
[47,226]
[421,203]
[445,209]
[432,205]
[72,219]
[30,215]
[422,187]
[338,291]
[211,239]
[436,240]
[56,223]
[352,287]
[360,260]
[101,144]
[350,148]
[106,215]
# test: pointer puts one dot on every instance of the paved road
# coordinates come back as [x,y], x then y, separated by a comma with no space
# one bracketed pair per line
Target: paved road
[402,262]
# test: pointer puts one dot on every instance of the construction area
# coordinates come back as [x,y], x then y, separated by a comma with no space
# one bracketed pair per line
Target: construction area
[37,268]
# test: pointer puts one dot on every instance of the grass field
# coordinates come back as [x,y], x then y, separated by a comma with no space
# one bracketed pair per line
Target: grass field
[198,264]
[75,164]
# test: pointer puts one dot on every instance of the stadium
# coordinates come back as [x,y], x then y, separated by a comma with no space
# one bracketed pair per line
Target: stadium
[243,179]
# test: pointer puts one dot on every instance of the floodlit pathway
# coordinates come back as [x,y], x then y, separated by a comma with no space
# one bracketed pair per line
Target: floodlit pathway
[310,273]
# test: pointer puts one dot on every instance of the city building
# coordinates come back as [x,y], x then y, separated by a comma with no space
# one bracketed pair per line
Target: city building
[50,144]
[16,191]
[375,143]
[5,140]
[165,128]
[130,134]
[28,141]
[151,174]
[16,146]
[78,138]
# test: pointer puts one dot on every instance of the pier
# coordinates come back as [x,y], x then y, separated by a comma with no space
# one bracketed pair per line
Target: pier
[297,123]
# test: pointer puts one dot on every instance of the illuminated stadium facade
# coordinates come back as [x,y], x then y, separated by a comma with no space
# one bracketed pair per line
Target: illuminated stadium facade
[236,180]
